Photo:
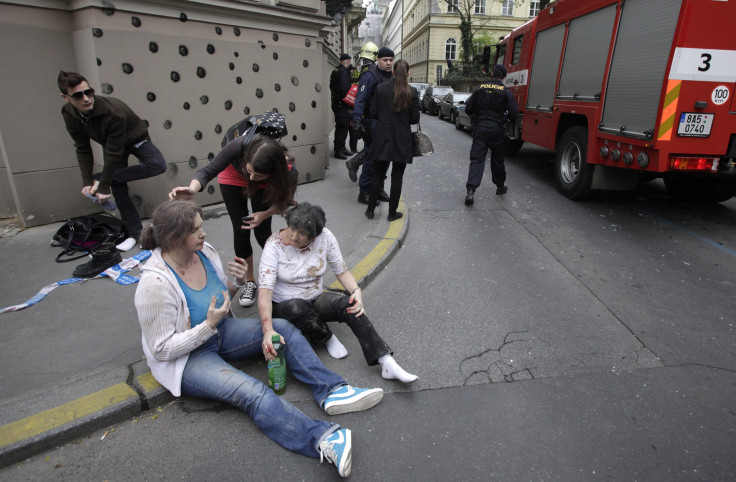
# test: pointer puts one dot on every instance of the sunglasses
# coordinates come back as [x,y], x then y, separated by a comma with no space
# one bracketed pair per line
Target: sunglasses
[80,95]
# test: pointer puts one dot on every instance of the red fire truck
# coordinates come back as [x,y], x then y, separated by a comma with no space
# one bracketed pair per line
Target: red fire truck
[629,90]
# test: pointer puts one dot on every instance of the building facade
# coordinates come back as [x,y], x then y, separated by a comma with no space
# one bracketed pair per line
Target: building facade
[190,69]
[431,32]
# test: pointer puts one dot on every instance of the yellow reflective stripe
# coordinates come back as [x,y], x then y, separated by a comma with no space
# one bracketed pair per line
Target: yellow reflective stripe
[669,110]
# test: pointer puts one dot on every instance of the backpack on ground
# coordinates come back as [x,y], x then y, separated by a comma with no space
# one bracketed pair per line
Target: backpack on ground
[80,236]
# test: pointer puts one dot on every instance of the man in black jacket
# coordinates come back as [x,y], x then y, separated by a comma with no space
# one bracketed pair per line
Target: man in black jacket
[339,87]
[111,123]
[489,106]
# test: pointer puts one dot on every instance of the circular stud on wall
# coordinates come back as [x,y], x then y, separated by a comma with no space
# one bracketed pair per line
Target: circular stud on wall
[303,126]
[231,66]
[201,73]
[293,138]
[246,110]
[238,80]
[192,162]
[294,80]
[198,135]
[210,49]
[186,106]
[137,200]
[167,124]
[275,37]
[307,42]
[277,87]
[127,68]
[183,17]
[218,129]
[275,56]
[153,47]
[236,54]
[175,77]
[236,31]
[97,32]
[183,50]
[204,99]
[314,104]
[292,106]
[313,149]
[259,93]
[99,62]
[151,97]
[260,42]
[210,156]
[136,22]
[318,87]
[228,104]
[305,63]
[108,8]
[210,189]
[107,89]
[218,30]
[256,68]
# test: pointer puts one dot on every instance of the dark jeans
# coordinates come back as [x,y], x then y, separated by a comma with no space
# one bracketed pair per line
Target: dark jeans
[397,181]
[486,136]
[236,203]
[311,316]
[152,163]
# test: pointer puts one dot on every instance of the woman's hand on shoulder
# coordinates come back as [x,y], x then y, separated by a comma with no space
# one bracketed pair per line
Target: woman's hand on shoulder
[214,314]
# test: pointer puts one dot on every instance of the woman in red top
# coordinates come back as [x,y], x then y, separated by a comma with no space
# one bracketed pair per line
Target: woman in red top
[259,170]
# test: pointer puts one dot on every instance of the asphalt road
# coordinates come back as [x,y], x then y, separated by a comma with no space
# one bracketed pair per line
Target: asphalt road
[554,340]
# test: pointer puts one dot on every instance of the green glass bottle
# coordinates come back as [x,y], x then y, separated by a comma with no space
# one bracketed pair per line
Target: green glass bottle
[277,368]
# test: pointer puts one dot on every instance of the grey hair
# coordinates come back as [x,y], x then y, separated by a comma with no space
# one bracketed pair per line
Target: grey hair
[308,218]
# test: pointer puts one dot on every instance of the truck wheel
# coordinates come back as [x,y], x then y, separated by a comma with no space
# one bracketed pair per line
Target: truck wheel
[458,126]
[574,174]
[512,146]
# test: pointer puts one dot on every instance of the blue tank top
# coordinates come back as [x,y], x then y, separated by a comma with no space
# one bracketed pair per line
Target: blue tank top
[198,301]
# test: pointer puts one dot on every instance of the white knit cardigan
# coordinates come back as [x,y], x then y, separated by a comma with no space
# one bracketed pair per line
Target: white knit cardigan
[168,337]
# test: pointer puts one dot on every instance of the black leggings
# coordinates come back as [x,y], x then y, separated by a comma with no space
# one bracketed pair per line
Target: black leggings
[236,202]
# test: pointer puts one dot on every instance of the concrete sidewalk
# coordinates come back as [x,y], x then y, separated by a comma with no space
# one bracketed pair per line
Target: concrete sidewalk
[73,362]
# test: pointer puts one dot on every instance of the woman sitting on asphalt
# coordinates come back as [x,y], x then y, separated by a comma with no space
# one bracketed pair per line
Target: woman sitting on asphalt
[189,338]
[290,278]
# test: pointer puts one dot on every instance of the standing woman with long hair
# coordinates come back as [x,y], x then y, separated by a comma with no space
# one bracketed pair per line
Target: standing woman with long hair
[396,106]
[259,170]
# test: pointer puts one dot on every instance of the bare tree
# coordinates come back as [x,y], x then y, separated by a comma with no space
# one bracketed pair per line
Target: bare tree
[466,10]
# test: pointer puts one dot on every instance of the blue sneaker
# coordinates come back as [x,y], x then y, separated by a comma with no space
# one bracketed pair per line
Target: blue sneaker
[338,448]
[350,399]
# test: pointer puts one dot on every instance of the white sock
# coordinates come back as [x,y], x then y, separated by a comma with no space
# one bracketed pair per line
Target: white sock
[126,245]
[392,371]
[335,348]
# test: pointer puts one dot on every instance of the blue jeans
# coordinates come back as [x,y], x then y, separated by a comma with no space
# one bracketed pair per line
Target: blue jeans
[208,375]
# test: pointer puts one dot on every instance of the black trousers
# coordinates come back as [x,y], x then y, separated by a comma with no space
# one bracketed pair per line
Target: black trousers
[311,317]
[342,126]
[236,202]
[152,163]
[397,182]
[486,135]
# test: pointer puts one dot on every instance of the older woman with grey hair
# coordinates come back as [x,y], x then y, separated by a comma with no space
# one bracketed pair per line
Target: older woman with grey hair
[290,278]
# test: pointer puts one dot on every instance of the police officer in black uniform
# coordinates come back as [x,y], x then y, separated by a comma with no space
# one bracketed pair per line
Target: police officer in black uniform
[489,106]
[339,86]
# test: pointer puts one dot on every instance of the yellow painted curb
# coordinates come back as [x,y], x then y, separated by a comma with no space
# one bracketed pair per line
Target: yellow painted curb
[147,382]
[68,412]
[364,266]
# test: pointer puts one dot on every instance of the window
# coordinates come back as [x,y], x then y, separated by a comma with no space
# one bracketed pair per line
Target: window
[451,49]
[507,8]
[480,6]
[534,8]
[518,41]
[452,6]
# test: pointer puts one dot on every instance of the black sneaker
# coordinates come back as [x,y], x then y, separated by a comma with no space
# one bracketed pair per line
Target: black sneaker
[352,170]
[104,256]
[501,190]
[248,296]
[469,197]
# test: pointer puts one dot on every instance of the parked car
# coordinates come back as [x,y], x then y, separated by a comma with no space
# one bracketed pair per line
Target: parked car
[450,103]
[462,120]
[421,88]
[430,103]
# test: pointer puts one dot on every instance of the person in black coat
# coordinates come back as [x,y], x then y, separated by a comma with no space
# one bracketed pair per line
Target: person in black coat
[395,106]
[339,87]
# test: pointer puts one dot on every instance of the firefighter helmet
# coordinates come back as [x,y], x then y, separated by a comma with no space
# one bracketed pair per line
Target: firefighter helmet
[369,51]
